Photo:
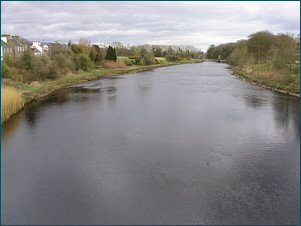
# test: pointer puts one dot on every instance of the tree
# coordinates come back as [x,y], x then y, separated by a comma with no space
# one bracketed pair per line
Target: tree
[239,56]
[27,60]
[211,52]
[95,54]
[111,54]
[286,50]
[259,44]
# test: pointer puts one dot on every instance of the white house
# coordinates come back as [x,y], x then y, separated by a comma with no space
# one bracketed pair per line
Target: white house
[42,49]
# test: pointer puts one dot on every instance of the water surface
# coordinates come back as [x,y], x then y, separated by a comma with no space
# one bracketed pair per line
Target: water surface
[187,144]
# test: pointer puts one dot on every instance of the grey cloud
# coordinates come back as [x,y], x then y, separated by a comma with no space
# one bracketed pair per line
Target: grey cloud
[148,22]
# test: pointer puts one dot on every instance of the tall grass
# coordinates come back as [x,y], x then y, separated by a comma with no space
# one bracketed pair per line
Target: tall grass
[11,102]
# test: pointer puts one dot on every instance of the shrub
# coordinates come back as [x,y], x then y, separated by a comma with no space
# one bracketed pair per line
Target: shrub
[137,60]
[128,62]
[84,62]
[171,58]
[27,60]
[148,59]
[63,62]
[9,60]
[5,71]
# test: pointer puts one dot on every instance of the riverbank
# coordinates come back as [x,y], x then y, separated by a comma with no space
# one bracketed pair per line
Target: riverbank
[269,78]
[38,90]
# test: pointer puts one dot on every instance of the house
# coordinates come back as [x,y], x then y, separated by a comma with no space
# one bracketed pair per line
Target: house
[39,49]
[14,42]
[6,49]
[36,52]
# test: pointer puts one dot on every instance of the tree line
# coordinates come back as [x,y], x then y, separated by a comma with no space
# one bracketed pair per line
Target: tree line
[84,56]
[260,47]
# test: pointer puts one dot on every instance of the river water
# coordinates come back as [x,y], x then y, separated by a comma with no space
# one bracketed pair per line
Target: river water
[186,144]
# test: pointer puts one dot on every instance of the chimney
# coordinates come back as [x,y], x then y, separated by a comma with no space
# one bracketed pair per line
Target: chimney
[15,36]
[5,37]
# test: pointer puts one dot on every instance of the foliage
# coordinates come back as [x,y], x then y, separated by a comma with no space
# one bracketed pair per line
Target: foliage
[224,50]
[76,49]
[128,62]
[27,60]
[5,71]
[95,54]
[149,59]
[111,54]
[137,60]
[259,45]
[84,62]
[286,47]
[171,58]
[239,56]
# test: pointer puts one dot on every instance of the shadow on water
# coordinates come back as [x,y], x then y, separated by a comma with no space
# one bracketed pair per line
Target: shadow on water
[8,128]
[254,101]
[285,114]
[77,93]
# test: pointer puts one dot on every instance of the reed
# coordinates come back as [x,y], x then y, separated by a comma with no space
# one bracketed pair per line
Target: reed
[11,102]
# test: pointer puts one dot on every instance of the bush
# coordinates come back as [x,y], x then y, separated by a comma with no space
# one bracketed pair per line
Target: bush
[149,59]
[84,62]
[63,63]
[171,58]
[9,60]
[279,64]
[137,60]
[5,71]
[128,62]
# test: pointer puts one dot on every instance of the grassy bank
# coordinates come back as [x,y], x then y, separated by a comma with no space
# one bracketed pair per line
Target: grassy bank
[267,76]
[36,90]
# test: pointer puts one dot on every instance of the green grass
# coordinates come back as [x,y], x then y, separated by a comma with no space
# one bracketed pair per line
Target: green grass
[122,58]
[257,67]
[31,88]
[295,75]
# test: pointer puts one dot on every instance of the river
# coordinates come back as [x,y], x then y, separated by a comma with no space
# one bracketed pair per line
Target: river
[185,144]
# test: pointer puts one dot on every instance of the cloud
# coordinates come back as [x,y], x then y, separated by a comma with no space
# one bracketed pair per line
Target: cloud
[198,23]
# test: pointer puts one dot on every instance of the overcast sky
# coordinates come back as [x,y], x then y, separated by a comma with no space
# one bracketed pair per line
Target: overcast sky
[197,23]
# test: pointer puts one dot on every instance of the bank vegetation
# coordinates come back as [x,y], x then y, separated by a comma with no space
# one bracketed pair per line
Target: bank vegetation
[272,61]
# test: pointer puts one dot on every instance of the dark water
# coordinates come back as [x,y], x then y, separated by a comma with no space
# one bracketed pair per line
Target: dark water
[187,144]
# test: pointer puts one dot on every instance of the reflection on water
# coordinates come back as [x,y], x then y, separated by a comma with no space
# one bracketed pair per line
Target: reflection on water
[189,144]
[254,101]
